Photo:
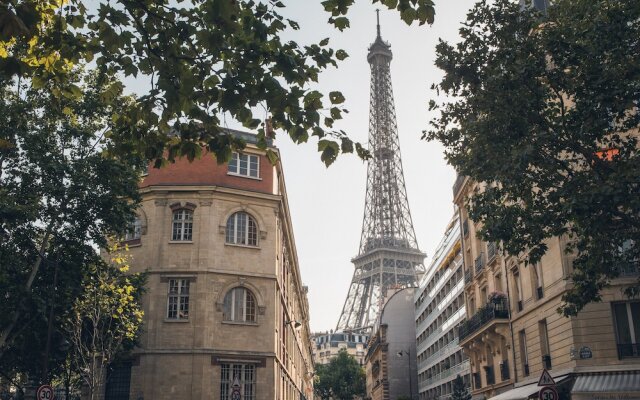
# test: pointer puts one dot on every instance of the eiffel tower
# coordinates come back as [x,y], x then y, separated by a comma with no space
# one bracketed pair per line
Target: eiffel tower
[389,257]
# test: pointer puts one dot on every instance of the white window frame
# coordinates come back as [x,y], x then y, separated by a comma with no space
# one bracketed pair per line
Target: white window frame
[242,374]
[236,162]
[230,310]
[183,225]
[134,231]
[242,232]
[179,298]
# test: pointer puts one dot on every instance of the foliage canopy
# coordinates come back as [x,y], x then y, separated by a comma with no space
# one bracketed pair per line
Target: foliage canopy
[341,379]
[204,59]
[543,110]
[63,191]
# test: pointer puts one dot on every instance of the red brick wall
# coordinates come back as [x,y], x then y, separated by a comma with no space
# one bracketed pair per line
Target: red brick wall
[206,171]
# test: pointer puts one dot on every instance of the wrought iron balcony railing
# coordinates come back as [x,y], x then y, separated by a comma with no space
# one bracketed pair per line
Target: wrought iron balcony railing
[629,269]
[468,276]
[479,263]
[491,311]
[628,350]
[492,251]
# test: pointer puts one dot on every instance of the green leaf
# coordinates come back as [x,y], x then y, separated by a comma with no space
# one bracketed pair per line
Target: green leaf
[341,54]
[336,98]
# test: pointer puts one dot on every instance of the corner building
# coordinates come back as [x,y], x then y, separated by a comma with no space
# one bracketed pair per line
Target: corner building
[225,310]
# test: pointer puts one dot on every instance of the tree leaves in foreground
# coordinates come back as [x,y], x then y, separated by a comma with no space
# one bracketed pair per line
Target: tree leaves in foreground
[544,111]
[204,59]
[63,192]
[105,319]
[341,379]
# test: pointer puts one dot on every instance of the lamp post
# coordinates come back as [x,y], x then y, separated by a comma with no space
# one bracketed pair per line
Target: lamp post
[408,354]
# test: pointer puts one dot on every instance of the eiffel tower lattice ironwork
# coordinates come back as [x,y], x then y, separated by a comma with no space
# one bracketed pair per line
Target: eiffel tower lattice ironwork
[389,257]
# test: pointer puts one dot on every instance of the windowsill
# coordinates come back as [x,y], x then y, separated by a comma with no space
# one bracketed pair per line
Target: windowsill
[132,243]
[181,241]
[255,178]
[176,320]
[246,246]
[244,323]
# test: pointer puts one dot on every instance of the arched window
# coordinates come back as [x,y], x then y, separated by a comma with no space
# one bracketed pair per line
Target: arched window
[242,229]
[239,305]
[182,225]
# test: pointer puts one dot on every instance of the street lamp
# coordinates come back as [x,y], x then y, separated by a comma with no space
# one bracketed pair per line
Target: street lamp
[408,354]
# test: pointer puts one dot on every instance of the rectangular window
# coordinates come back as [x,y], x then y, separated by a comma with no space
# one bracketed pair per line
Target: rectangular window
[544,344]
[244,165]
[134,230]
[237,381]
[178,299]
[627,323]
[536,280]
[518,289]
[524,357]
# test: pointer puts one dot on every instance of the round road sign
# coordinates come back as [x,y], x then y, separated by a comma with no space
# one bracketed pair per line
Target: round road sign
[548,393]
[45,392]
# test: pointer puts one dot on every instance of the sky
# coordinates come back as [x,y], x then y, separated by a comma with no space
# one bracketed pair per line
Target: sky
[327,204]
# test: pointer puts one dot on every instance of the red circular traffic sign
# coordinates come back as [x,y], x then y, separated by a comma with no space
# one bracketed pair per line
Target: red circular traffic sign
[45,392]
[548,393]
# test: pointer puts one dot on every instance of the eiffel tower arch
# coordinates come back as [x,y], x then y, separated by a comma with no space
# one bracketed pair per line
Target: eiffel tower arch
[389,257]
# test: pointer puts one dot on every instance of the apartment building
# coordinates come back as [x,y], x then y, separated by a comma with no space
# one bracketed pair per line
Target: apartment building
[327,345]
[513,331]
[226,314]
[439,311]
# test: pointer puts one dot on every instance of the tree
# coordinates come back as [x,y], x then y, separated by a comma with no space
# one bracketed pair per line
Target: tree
[542,109]
[341,379]
[203,58]
[460,390]
[63,191]
[105,319]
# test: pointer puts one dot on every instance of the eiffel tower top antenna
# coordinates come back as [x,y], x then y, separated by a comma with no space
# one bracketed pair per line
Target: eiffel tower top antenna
[378,18]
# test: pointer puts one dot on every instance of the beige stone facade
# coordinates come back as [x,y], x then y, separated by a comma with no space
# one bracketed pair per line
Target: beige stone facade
[511,339]
[225,309]
[327,345]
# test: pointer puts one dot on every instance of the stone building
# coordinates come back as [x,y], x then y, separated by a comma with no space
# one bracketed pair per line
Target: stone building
[226,314]
[326,346]
[390,362]
[513,330]
[439,311]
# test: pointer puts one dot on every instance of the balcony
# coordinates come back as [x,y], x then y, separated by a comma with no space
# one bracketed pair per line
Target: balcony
[628,350]
[479,263]
[491,311]
[468,276]
[492,252]
[631,269]
[453,371]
